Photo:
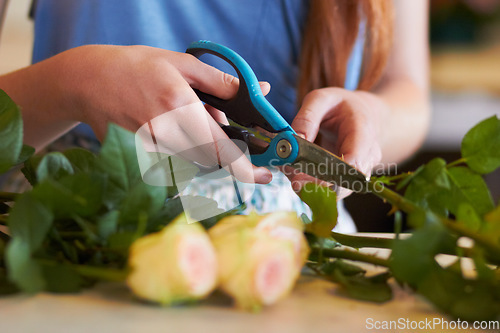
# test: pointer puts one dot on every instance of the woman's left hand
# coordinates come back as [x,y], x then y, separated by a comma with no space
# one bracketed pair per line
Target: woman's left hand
[350,124]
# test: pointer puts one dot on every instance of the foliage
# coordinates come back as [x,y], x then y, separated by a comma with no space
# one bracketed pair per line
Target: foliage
[77,223]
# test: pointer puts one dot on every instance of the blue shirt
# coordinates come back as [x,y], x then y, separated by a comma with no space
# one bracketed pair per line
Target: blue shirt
[266,33]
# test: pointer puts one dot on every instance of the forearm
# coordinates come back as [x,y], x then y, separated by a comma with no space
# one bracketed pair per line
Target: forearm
[406,120]
[40,93]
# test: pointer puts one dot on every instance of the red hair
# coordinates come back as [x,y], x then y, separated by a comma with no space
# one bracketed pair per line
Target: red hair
[330,33]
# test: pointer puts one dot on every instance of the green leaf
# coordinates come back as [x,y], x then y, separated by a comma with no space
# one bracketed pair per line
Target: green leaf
[11,132]
[26,153]
[323,203]
[468,187]
[467,215]
[355,283]
[412,259]
[460,297]
[62,278]
[53,165]
[23,270]
[429,188]
[29,223]
[122,241]
[118,159]
[141,198]
[481,146]
[29,220]
[81,160]
[29,169]
[78,194]
[108,224]
[171,209]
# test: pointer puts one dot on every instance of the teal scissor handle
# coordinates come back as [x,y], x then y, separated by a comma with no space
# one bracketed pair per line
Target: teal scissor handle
[249,107]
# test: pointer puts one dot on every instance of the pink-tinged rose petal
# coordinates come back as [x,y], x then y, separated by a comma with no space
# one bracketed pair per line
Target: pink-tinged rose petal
[273,278]
[176,264]
[289,234]
[197,262]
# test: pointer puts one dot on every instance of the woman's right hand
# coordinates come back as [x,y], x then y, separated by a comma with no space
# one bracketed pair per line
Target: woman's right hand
[133,85]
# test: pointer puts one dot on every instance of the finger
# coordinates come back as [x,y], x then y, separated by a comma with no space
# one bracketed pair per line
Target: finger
[220,117]
[313,110]
[265,87]
[217,115]
[206,78]
[231,158]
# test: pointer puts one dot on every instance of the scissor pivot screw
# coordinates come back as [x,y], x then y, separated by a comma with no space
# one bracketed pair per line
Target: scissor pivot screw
[283,148]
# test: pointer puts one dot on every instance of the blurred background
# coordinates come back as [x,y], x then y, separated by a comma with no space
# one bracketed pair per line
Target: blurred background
[465,78]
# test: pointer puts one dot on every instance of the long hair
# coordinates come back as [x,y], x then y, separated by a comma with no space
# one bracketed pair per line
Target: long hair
[330,33]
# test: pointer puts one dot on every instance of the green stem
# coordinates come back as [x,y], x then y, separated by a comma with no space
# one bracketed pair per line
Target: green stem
[353,255]
[398,177]
[407,206]
[391,197]
[8,196]
[101,273]
[457,162]
[362,241]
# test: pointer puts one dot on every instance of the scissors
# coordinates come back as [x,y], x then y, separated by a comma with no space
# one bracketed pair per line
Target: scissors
[249,110]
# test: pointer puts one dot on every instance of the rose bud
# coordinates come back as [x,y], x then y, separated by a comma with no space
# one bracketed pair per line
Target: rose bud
[254,268]
[286,226]
[174,265]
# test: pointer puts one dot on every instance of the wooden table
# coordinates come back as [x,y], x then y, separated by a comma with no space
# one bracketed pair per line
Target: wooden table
[314,306]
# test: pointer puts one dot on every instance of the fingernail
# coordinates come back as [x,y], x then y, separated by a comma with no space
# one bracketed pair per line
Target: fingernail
[263,176]
[303,136]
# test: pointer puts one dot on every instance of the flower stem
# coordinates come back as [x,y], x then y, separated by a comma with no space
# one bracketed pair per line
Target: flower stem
[101,273]
[353,255]
[407,206]
[457,162]
[362,241]
[391,197]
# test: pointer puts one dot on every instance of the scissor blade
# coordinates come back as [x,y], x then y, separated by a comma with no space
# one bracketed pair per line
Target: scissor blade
[320,163]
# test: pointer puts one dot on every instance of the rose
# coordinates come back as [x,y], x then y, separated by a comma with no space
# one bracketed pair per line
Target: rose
[278,225]
[174,265]
[286,226]
[259,257]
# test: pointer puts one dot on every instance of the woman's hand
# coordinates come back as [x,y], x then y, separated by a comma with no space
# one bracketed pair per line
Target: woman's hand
[133,86]
[350,124]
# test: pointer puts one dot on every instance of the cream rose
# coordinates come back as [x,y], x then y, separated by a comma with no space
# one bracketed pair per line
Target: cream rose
[260,257]
[174,265]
